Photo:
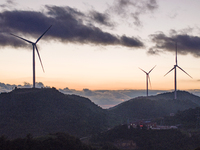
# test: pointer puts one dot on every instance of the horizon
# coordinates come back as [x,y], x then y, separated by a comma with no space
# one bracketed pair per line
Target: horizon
[103,98]
[101,45]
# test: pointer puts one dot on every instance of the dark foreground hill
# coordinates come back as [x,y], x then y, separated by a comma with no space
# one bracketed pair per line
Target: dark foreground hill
[155,106]
[43,111]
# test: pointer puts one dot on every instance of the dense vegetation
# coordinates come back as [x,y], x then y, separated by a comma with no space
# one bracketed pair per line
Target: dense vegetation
[43,111]
[58,141]
[149,139]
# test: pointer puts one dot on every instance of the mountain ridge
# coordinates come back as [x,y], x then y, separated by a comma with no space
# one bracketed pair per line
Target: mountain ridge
[155,106]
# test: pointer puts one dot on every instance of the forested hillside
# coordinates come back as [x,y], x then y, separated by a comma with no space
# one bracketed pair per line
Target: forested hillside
[43,111]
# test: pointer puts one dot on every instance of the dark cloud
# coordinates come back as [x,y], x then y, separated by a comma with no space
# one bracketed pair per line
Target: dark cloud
[11,2]
[101,18]
[151,5]
[8,4]
[133,9]
[127,41]
[152,51]
[69,25]
[186,44]
[6,40]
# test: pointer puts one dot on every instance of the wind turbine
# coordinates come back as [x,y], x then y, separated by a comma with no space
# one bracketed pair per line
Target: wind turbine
[147,77]
[34,47]
[174,68]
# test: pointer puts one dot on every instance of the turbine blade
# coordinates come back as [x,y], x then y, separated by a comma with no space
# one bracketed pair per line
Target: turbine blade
[151,69]
[42,35]
[21,38]
[149,80]
[184,71]
[169,71]
[143,71]
[39,57]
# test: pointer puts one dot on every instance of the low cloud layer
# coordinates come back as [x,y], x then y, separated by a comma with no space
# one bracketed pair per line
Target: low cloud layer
[109,98]
[68,25]
[9,87]
[103,98]
[186,44]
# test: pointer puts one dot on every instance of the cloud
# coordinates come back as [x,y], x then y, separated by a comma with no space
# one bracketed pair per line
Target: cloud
[186,44]
[103,98]
[133,9]
[127,41]
[9,87]
[8,4]
[109,98]
[153,51]
[101,18]
[69,25]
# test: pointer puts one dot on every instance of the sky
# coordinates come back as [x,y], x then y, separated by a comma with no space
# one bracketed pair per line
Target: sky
[100,45]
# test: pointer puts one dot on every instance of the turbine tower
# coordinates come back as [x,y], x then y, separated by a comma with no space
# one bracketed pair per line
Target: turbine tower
[175,76]
[34,47]
[147,77]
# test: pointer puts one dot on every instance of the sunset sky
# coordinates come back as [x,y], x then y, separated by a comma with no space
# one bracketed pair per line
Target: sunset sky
[100,44]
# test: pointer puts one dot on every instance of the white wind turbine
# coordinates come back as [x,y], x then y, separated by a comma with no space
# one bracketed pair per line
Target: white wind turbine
[147,77]
[34,47]
[174,68]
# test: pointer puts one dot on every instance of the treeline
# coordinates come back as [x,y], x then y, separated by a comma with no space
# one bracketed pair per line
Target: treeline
[58,141]
[149,139]
[144,139]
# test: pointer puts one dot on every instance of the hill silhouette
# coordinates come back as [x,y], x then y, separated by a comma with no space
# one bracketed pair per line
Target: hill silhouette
[44,111]
[155,106]
[181,95]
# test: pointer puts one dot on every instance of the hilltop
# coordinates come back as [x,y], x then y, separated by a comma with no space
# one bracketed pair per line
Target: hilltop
[155,106]
[43,111]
